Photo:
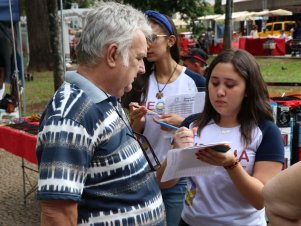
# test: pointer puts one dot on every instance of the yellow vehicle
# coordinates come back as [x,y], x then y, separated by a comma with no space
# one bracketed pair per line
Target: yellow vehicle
[274,28]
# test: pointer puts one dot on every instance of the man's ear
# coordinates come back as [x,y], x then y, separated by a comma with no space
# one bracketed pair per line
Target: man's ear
[111,55]
[196,65]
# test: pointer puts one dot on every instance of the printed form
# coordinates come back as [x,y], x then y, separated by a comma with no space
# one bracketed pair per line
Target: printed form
[183,162]
[185,104]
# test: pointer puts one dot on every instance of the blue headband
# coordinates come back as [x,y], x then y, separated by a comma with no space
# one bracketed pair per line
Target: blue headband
[160,18]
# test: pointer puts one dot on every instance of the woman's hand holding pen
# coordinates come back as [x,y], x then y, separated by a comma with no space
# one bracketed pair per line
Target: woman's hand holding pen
[184,138]
[172,119]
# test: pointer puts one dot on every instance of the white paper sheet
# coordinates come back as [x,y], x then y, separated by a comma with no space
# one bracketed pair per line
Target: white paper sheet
[183,163]
[185,104]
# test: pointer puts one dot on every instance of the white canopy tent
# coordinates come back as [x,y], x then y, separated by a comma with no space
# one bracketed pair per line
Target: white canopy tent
[245,15]
[270,13]
[209,17]
[236,16]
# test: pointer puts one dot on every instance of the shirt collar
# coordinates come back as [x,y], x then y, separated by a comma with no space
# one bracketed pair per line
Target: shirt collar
[92,91]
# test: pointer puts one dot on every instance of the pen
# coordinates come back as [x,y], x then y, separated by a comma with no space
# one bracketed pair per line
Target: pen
[148,111]
[167,125]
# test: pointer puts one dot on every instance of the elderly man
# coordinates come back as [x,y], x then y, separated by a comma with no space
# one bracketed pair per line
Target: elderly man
[92,170]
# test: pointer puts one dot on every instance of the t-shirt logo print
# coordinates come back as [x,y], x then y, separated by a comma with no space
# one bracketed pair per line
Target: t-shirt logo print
[190,193]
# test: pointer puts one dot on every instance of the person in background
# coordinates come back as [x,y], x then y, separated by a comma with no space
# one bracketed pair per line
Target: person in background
[183,44]
[92,169]
[282,34]
[164,77]
[297,30]
[236,110]
[201,41]
[282,197]
[296,49]
[254,32]
[263,34]
[195,60]
[6,56]
[2,76]
[209,37]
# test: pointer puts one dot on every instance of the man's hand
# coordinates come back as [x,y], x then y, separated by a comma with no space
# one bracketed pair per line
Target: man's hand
[58,213]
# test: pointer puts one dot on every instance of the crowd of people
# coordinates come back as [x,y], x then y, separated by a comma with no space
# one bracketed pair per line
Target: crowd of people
[102,143]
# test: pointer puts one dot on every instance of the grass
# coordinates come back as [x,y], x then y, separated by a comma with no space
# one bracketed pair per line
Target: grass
[41,89]
[38,92]
[280,70]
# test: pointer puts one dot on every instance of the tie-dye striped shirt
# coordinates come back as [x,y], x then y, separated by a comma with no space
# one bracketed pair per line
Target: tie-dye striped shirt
[85,154]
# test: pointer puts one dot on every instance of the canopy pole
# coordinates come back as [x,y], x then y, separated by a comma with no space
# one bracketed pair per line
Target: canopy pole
[16,71]
[62,37]
[22,63]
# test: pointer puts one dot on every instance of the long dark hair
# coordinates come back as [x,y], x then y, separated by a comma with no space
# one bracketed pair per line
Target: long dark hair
[140,85]
[255,106]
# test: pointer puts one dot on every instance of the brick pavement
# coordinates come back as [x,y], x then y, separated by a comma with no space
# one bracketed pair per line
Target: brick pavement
[13,212]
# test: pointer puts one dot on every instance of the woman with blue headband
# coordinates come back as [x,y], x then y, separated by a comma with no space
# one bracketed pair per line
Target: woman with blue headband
[164,77]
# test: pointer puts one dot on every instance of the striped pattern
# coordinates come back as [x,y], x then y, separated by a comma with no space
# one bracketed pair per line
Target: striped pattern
[85,155]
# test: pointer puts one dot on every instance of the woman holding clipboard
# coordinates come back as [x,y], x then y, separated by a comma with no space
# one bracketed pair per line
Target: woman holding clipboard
[237,110]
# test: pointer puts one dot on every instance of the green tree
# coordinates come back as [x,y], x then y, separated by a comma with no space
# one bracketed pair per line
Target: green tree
[44,37]
[218,7]
[81,3]
[55,42]
[190,10]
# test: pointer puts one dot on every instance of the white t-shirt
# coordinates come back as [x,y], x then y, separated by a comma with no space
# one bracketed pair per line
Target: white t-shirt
[159,139]
[214,200]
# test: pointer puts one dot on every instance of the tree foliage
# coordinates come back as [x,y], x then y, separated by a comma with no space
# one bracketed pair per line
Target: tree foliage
[44,38]
[218,7]
[81,3]
[188,9]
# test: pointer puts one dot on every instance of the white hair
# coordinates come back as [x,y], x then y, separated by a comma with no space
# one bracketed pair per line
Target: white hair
[108,23]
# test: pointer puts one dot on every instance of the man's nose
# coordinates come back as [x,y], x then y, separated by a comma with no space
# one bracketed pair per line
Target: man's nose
[141,68]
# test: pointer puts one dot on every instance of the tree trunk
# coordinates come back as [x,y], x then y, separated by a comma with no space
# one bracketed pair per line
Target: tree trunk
[56,46]
[38,33]
[228,25]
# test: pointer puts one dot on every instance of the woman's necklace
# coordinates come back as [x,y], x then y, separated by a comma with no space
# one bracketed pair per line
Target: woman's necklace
[160,94]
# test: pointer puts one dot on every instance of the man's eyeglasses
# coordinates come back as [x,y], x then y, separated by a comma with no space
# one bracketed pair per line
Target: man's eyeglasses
[154,37]
[146,146]
[141,139]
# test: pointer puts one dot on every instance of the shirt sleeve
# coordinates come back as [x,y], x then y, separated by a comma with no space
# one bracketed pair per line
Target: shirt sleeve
[188,120]
[64,153]
[271,147]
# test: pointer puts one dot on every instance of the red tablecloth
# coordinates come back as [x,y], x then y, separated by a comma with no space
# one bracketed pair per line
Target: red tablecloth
[255,46]
[217,48]
[18,143]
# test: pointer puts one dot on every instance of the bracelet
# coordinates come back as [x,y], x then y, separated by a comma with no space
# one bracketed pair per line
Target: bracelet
[234,165]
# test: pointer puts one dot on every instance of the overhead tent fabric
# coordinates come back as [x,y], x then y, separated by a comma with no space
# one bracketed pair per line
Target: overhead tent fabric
[5,13]
[6,39]
[245,15]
